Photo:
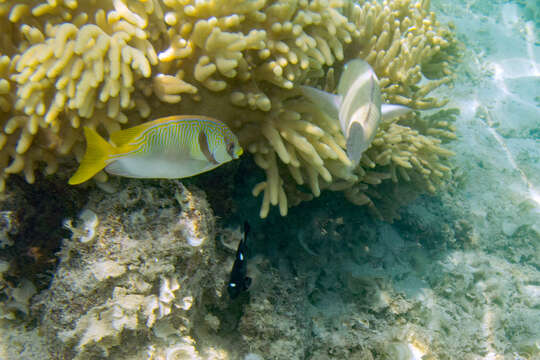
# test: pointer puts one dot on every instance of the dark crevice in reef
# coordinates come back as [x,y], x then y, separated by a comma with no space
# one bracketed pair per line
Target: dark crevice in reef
[32,221]
[219,186]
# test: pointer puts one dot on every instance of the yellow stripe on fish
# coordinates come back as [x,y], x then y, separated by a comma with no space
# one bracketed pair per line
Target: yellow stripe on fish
[171,147]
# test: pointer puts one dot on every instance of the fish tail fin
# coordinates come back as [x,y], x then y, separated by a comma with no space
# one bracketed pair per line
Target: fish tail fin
[247,282]
[362,130]
[356,143]
[94,160]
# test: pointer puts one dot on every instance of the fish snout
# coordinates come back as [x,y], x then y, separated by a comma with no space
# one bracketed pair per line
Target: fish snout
[238,152]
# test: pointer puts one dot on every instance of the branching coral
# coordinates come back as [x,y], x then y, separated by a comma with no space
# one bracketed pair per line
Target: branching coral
[252,42]
[108,63]
[400,39]
[405,43]
[400,153]
[68,74]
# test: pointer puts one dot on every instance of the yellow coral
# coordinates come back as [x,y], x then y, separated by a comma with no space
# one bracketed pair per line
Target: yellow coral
[107,63]
[400,39]
[68,74]
[239,45]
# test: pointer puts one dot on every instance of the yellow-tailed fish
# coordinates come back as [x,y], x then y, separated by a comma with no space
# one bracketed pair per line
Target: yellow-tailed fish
[357,105]
[169,148]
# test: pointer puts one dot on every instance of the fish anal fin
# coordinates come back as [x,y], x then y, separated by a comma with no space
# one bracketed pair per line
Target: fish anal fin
[95,159]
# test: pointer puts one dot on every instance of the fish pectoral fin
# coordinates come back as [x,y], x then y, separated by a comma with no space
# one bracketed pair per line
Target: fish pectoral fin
[95,159]
[390,111]
[326,101]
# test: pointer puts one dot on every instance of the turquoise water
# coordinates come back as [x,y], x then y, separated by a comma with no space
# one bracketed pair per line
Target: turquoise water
[455,276]
[458,271]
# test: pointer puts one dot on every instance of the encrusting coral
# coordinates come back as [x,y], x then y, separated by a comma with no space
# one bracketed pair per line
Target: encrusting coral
[108,64]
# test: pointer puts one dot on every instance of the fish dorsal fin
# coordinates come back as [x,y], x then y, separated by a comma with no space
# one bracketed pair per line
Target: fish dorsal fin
[123,137]
[329,103]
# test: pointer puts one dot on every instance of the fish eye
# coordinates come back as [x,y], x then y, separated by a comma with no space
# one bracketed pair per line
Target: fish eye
[230,148]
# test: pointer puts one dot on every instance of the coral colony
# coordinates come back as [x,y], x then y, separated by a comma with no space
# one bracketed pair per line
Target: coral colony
[110,65]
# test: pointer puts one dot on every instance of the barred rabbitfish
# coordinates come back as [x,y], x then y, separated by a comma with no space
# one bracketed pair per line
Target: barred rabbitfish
[357,105]
[169,148]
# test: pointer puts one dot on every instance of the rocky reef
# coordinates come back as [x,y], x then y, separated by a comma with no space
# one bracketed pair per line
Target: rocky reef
[140,263]
[142,274]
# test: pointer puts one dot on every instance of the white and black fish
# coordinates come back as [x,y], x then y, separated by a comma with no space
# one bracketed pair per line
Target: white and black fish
[238,281]
[357,105]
